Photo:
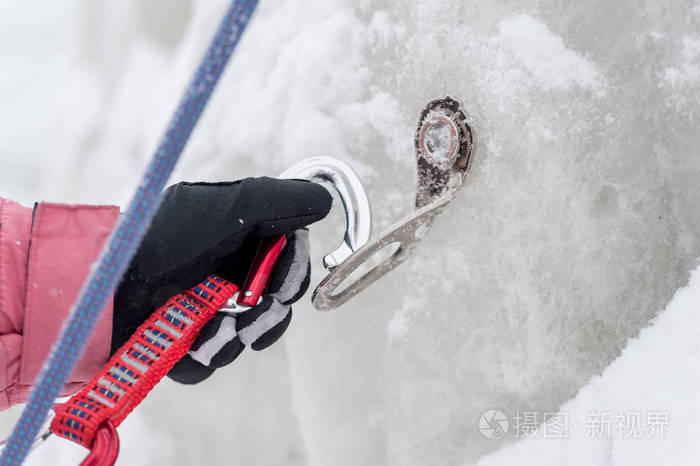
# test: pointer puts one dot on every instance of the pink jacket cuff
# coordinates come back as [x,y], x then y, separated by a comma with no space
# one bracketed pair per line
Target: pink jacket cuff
[43,264]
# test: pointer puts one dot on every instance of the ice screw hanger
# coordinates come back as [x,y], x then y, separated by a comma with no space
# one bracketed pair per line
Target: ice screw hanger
[444,144]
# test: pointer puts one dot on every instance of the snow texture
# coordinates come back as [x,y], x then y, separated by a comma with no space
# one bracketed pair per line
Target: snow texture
[654,381]
[577,224]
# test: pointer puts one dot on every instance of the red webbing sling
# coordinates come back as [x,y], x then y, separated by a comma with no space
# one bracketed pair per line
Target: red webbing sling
[90,416]
[141,362]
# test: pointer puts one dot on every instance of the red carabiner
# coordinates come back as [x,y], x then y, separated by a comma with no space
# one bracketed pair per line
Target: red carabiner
[263,264]
[105,447]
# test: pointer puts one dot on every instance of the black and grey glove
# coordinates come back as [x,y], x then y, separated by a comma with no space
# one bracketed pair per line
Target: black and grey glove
[205,228]
[226,335]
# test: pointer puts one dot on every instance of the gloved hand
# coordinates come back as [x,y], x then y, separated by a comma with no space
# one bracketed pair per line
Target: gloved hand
[205,228]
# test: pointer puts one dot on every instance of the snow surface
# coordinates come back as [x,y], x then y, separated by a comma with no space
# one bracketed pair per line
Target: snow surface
[656,375]
[577,224]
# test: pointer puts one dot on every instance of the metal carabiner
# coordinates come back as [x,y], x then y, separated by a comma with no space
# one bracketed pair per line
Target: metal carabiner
[346,183]
[444,143]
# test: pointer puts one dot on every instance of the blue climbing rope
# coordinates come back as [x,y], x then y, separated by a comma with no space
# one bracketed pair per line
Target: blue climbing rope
[127,236]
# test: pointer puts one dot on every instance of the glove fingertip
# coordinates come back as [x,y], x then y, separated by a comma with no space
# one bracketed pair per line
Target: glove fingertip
[291,277]
[303,287]
[209,330]
[324,200]
[228,353]
[296,204]
[187,371]
[271,336]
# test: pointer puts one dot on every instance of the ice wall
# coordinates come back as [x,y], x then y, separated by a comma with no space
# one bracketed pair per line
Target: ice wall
[576,225]
[640,410]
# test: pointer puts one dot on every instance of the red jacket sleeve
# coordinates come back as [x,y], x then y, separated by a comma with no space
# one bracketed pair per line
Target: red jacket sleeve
[45,255]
